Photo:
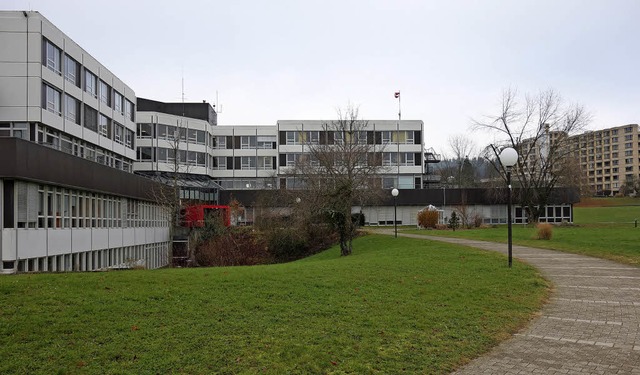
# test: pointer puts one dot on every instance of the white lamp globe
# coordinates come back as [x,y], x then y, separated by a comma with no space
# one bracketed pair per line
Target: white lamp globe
[508,157]
[395,192]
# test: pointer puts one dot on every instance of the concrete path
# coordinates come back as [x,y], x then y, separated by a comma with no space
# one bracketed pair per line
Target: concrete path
[591,324]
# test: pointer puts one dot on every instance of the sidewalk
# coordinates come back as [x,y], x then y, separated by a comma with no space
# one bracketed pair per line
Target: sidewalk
[591,324]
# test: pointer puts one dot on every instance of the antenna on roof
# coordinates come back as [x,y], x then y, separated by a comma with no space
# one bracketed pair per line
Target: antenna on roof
[218,106]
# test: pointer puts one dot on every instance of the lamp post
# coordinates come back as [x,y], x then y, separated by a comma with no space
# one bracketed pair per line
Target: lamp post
[395,193]
[509,158]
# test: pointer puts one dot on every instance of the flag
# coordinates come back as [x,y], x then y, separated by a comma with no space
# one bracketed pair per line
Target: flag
[397,94]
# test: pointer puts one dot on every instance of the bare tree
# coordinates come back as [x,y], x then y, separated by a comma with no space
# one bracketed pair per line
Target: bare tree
[340,170]
[462,146]
[539,128]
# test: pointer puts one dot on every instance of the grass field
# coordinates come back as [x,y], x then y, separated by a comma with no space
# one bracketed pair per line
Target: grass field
[605,231]
[395,306]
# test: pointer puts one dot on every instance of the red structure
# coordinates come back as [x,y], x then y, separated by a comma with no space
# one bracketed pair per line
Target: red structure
[195,216]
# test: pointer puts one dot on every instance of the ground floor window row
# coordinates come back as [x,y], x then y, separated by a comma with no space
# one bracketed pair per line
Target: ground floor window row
[75,146]
[32,205]
[149,256]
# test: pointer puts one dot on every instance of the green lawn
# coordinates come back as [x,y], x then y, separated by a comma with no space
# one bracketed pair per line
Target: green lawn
[605,232]
[395,306]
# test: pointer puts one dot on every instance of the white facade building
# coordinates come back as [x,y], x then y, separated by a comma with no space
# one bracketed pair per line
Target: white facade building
[67,133]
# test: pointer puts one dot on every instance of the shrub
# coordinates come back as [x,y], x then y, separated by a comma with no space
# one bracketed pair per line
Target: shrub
[427,218]
[545,230]
[286,243]
[477,220]
[235,247]
[454,221]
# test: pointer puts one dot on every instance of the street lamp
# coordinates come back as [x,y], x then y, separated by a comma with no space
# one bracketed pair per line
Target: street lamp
[395,193]
[509,158]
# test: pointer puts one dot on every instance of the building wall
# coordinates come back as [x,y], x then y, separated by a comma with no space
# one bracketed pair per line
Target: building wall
[256,157]
[608,157]
[67,133]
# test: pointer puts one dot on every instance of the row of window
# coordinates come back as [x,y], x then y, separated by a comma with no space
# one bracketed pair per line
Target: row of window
[52,57]
[384,182]
[172,133]
[77,147]
[44,206]
[386,159]
[168,155]
[245,142]
[356,137]
[93,120]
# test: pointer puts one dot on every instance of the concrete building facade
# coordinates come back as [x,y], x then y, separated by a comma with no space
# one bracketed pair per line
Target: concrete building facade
[67,145]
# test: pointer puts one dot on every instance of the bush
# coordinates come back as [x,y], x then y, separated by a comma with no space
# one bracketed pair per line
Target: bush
[477,220]
[286,243]
[454,221]
[427,218]
[545,231]
[235,247]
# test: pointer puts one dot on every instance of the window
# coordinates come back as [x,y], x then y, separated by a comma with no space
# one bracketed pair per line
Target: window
[51,99]
[145,154]
[105,93]
[201,137]
[248,162]
[386,137]
[118,106]
[104,126]
[128,141]
[118,133]
[145,130]
[90,83]
[293,138]
[248,142]
[220,162]
[407,158]
[220,142]
[71,109]
[266,142]
[71,70]
[628,145]
[338,138]
[51,56]
[265,162]
[129,110]
[389,159]
[292,159]
[90,118]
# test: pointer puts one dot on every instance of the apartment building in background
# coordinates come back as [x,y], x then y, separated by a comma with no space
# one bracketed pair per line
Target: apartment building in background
[607,158]
[67,146]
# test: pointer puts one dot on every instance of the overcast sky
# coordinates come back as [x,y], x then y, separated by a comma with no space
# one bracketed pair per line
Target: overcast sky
[272,60]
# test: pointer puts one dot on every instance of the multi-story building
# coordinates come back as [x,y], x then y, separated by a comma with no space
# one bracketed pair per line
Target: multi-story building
[608,158]
[184,139]
[67,130]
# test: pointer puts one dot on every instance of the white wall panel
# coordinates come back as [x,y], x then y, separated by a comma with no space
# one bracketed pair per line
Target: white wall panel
[129,236]
[115,237]
[8,245]
[81,239]
[14,47]
[140,236]
[31,243]
[13,91]
[58,241]
[99,238]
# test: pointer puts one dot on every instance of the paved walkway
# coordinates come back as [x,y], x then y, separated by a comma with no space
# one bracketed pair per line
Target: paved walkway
[591,324]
